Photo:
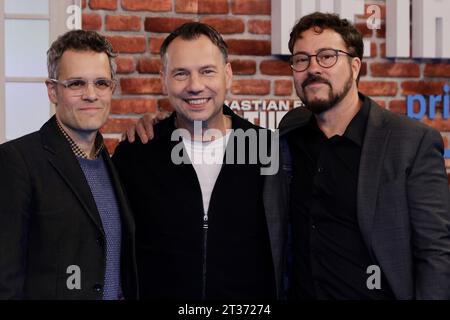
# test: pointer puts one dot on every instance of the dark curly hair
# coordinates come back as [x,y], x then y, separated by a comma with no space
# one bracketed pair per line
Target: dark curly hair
[320,21]
[78,40]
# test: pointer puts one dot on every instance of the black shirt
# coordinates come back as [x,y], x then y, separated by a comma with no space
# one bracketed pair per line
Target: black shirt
[330,258]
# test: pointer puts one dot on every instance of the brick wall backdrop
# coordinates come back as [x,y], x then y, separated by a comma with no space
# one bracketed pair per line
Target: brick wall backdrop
[136,29]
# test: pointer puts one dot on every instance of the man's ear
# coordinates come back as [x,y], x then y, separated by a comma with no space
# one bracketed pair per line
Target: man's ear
[356,67]
[228,75]
[51,91]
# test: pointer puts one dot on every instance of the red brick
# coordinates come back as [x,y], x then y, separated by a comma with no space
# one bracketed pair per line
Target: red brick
[275,68]
[251,7]
[147,65]
[111,144]
[383,50]
[259,26]
[398,106]
[164,104]
[147,5]
[121,106]
[123,23]
[155,44]
[91,21]
[362,28]
[125,65]
[251,87]
[381,33]
[103,4]
[249,47]
[83,4]
[422,87]
[363,70]
[114,125]
[201,6]
[283,87]
[368,15]
[243,66]
[163,24]
[141,86]
[395,69]
[225,25]
[438,123]
[128,44]
[378,88]
[437,70]
[373,49]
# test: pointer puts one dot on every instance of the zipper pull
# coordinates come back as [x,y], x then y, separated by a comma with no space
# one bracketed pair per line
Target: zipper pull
[205,221]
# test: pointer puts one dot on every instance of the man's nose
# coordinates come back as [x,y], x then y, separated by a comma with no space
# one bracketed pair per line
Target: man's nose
[89,92]
[195,83]
[314,66]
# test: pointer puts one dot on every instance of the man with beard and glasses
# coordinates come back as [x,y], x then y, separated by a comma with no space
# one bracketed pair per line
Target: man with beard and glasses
[369,200]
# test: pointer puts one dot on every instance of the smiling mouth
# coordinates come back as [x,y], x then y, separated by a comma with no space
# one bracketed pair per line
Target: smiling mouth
[90,109]
[198,101]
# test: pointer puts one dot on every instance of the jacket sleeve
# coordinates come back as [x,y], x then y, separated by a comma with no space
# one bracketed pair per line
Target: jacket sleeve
[15,204]
[429,207]
[120,161]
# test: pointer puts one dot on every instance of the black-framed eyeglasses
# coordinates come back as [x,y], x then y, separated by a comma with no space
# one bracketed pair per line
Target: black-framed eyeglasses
[326,58]
[78,86]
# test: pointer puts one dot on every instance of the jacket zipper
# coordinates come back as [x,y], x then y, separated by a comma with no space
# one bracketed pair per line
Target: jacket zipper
[205,241]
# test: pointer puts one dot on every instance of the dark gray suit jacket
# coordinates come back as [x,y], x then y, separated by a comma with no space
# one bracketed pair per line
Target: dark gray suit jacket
[49,221]
[403,201]
[276,208]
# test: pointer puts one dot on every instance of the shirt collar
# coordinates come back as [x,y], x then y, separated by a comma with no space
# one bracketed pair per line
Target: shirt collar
[98,144]
[357,127]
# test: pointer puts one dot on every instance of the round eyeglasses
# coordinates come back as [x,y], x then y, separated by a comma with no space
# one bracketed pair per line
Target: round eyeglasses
[326,58]
[79,86]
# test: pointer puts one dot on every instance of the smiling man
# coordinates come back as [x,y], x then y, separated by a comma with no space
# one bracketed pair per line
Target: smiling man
[370,208]
[196,237]
[66,231]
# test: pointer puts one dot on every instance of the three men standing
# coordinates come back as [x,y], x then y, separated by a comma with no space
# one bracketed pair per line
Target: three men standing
[366,188]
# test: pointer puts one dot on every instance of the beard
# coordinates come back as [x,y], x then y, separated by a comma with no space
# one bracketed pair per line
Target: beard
[317,106]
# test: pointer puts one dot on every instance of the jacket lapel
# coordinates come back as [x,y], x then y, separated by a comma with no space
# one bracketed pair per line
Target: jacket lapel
[374,147]
[63,160]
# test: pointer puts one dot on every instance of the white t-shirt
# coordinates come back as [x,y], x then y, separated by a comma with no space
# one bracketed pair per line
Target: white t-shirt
[207,159]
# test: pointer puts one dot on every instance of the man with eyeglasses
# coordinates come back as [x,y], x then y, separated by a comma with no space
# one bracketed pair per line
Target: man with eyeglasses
[66,231]
[369,200]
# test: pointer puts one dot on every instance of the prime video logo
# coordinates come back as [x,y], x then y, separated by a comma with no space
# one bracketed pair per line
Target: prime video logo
[432,101]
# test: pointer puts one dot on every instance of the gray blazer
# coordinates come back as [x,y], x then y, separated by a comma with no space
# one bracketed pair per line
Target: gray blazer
[403,201]
[275,200]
